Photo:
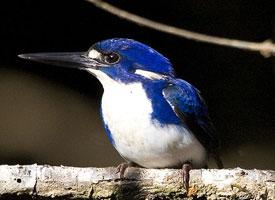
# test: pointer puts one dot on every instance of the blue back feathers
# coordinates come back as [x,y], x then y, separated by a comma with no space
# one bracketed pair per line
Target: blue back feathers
[190,107]
[186,97]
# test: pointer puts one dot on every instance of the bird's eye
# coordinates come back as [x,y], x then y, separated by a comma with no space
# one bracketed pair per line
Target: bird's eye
[111,58]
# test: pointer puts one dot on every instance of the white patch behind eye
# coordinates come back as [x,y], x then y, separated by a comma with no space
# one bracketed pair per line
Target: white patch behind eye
[93,54]
[150,75]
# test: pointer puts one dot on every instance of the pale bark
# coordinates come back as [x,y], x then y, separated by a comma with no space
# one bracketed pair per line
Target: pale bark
[46,182]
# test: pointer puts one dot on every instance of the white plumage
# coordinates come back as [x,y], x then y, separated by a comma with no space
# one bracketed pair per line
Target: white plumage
[127,112]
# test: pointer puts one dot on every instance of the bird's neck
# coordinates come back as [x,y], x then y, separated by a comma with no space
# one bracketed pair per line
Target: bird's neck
[144,95]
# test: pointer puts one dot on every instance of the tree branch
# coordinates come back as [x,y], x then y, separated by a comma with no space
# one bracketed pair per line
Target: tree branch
[266,48]
[47,182]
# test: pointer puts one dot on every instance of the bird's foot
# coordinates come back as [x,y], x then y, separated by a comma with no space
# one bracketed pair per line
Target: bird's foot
[186,167]
[121,168]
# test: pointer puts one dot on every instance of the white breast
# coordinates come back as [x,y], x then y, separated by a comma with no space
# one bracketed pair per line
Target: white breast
[127,112]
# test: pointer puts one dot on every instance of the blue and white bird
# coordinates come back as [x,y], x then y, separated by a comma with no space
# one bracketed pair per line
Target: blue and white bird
[152,118]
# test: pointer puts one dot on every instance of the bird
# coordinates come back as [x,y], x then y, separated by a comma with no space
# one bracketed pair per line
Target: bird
[151,117]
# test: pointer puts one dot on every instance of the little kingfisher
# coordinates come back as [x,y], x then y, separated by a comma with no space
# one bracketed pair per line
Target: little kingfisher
[152,118]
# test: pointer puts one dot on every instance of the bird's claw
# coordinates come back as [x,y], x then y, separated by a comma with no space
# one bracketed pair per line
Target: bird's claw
[186,167]
[121,168]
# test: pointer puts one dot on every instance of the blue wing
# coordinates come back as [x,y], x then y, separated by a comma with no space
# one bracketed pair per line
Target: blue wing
[190,107]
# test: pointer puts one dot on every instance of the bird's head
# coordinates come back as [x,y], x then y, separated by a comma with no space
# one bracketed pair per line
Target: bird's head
[123,60]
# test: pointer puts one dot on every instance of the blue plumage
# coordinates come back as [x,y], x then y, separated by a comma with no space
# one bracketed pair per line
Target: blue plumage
[162,111]
[152,118]
[136,55]
[174,101]
[191,108]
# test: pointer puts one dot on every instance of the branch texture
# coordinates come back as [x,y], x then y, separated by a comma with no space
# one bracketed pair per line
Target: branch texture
[266,48]
[52,182]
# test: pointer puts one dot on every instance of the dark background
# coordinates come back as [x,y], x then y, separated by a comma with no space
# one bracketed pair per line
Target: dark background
[50,115]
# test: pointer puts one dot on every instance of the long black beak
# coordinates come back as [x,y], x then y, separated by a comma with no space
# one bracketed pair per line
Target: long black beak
[72,60]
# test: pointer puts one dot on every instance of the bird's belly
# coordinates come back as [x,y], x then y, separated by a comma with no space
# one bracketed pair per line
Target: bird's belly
[138,138]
